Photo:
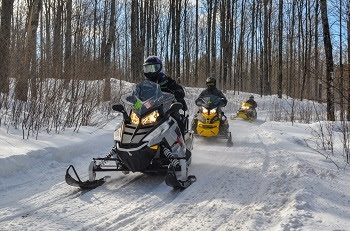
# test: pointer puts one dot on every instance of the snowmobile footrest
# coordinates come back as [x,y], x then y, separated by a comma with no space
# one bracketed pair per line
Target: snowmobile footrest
[78,183]
[172,181]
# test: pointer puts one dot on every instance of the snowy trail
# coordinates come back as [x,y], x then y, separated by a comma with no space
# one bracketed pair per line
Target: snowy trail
[258,184]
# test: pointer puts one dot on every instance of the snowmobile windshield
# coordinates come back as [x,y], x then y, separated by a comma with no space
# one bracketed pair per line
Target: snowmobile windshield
[146,96]
[210,101]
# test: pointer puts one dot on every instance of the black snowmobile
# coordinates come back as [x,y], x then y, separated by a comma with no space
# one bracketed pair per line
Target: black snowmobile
[149,140]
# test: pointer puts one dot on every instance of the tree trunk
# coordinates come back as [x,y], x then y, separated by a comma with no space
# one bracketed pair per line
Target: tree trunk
[329,61]
[28,67]
[318,79]
[291,72]
[348,33]
[341,80]
[280,44]
[209,12]
[197,47]
[5,35]
[252,64]
[68,45]
[107,62]
[57,41]
[134,27]
[213,41]
[266,63]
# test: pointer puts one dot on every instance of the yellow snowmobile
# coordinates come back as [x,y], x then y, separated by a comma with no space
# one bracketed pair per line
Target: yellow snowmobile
[247,112]
[209,123]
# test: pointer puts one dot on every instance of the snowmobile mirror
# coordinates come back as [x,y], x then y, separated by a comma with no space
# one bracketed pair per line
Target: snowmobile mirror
[118,107]
[176,106]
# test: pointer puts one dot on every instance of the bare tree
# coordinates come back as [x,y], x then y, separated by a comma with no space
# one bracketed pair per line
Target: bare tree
[280,43]
[348,33]
[28,67]
[5,35]
[329,61]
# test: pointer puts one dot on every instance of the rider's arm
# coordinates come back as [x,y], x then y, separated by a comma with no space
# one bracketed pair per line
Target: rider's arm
[176,89]
[224,100]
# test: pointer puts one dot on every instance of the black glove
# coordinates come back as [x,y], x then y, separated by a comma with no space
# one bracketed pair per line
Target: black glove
[223,101]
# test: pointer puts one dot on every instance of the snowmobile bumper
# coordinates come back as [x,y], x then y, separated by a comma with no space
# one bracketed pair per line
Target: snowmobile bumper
[85,185]
[208,130]
[136,159]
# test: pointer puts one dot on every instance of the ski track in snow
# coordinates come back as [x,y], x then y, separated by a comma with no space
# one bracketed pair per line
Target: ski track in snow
[261,183]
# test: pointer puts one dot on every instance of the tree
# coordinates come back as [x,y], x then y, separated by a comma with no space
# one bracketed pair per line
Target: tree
[329,61]
[28,65]
[348,33]
[5,39]
[280,43]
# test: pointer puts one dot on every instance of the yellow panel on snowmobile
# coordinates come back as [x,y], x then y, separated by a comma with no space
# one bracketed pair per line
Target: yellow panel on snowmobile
[242,115]
[208,129]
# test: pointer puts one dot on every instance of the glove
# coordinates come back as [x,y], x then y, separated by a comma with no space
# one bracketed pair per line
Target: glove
[223,101]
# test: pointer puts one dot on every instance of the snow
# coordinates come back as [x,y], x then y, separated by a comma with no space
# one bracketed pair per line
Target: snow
[269,180]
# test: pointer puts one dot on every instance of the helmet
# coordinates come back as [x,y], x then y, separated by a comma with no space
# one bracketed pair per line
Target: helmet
[210,82]
[151,67]
[251,97]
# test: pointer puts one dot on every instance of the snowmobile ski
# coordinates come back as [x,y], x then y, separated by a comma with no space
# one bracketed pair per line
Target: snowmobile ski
[85,185]
[172,181]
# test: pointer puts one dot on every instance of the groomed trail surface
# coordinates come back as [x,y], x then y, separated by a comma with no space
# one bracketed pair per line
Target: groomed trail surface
[269,180]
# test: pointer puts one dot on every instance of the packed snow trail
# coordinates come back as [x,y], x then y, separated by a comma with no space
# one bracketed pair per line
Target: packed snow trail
[263,182]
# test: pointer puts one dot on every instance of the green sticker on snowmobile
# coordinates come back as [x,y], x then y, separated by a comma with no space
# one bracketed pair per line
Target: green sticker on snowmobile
[209,101]
[138,104]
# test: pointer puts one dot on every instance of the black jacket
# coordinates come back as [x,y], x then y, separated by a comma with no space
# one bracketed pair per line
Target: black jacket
[167,84]
[213,91]
[252,102]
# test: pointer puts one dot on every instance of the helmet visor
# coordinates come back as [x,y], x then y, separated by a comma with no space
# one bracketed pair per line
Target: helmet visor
[151,68]
[209,84]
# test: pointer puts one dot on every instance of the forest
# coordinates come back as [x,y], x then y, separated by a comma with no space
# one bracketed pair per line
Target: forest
[61,59]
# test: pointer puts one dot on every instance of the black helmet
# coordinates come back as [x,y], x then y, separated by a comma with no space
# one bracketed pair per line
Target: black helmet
[210,82]
[251,97]
[151,67]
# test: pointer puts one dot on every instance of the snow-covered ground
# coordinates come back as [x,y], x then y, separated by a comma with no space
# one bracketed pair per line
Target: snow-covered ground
[269,180]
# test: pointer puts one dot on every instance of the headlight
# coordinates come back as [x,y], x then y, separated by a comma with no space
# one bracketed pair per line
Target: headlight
[212,111]
[245,107]
[150,118]
[204,110]
[134,118]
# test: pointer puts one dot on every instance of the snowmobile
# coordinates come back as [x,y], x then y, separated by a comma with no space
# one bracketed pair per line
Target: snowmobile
[149,140]
[247,112]
[209,123]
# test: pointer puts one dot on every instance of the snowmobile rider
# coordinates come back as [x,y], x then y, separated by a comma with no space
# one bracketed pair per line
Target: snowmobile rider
[252,102]
[152,69]
[211,90]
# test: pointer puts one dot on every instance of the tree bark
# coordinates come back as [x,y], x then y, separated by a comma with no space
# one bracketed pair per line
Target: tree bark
[28,67]
[280,44]
[5,35]
[348,33]
[329,61]
[68,45]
